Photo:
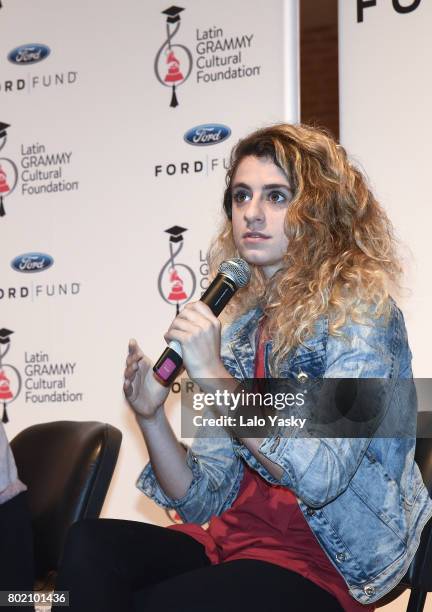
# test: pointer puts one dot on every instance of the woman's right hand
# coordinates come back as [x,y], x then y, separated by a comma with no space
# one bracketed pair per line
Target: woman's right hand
[142,390]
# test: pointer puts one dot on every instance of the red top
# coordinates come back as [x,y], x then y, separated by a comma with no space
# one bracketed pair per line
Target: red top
[266,523]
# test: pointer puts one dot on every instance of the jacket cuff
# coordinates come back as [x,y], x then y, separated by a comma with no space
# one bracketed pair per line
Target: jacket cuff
[148,484]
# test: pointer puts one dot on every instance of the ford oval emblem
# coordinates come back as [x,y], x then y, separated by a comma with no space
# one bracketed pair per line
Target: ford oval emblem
[28,54]
[32,262]
[207,134]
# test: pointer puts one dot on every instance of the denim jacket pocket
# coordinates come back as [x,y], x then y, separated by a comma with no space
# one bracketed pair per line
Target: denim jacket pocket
[384,498]
[416,486]
[304,367]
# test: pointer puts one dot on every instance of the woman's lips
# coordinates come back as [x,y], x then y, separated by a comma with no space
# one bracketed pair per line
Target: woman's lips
[255,237]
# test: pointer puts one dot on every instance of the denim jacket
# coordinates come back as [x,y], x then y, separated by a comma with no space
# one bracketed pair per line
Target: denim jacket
[363,498]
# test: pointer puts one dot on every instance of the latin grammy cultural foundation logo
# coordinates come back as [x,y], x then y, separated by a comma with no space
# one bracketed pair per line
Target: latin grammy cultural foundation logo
[176,281]
[10,378]
[8,171]
[173,62]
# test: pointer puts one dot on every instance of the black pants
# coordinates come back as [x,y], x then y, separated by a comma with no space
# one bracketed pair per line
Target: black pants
[115,565]
[16,547]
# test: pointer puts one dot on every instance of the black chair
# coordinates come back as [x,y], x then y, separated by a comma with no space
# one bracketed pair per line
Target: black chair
[419,575]
[67,467]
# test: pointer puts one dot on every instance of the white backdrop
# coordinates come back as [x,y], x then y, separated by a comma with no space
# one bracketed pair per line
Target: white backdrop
[385,102]
[103,170]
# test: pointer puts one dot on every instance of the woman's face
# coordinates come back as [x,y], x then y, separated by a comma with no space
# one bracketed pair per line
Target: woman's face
[261,194]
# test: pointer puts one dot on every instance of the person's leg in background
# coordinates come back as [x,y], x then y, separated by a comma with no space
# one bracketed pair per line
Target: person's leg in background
[105,560]
[16,546]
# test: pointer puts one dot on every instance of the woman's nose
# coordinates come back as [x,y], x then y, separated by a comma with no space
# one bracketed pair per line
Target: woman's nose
[254,211]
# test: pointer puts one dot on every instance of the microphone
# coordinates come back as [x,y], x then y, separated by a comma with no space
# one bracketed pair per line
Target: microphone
[232,275]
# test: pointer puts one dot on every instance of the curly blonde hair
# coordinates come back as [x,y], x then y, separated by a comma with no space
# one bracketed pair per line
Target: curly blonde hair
[341,257]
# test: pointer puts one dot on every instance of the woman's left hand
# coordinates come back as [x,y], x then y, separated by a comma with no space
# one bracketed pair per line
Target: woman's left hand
[199,333]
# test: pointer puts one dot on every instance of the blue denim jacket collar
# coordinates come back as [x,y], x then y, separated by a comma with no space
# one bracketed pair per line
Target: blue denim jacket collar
[240,339]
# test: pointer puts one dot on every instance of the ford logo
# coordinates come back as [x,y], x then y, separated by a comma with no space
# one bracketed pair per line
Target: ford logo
[207,134]
[32,262]
[28,54]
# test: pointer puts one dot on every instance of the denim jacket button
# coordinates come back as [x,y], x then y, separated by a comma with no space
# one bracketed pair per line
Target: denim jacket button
[341,556]
[310,511]
[369,589]
[302,376]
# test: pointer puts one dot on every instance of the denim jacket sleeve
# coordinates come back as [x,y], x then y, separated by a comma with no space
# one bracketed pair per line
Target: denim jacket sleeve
[319,469]
[217,472]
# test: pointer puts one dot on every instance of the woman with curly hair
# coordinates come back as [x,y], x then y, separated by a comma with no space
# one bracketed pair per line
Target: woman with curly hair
[294,523]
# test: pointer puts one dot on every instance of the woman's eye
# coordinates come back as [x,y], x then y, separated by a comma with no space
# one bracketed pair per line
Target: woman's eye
[277,197]
[240,196]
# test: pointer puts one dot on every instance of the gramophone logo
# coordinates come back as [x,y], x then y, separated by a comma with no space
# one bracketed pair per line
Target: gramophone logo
[176,282]
[173,62]
[10,378]
[8,171]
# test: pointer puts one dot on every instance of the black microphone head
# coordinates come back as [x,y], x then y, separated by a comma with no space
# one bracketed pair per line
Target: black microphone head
[237,270]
